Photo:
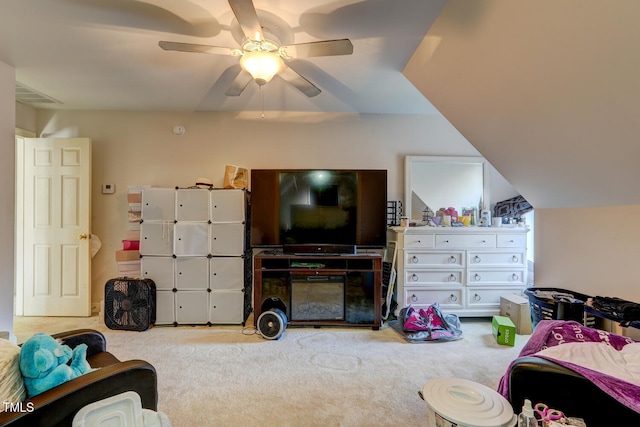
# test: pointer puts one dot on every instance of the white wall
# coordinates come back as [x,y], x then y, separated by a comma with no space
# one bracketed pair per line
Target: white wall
[7,194]
[140,148]
[594,251]
[26,117]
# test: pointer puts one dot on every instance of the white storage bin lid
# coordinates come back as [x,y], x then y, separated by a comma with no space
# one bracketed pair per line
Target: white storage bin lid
[466,404]
[118,411]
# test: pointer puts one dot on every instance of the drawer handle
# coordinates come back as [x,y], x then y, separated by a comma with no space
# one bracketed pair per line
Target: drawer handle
[477,277]
[477,297]
[484,241]
[452,259]
[515,258]
[414,259]
[452,277]
[414,277]
[514,276]
[446,241]
[453,298]
[414,298]
[477,259]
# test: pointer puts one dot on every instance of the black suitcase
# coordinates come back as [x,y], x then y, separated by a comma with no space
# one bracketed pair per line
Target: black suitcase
[130,304]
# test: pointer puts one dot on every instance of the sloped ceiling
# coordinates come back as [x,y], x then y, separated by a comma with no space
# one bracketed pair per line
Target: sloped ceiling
[548,91]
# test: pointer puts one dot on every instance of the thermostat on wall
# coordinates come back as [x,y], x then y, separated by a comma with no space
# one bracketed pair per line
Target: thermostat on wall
[108,188]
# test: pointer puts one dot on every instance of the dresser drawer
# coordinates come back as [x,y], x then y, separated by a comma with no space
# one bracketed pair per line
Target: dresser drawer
[433,277]
[483,297]
[497,259]
[477,297]
[472,241]
[447,298]
[418,241]
[495,277]
[434,259]
[512,240]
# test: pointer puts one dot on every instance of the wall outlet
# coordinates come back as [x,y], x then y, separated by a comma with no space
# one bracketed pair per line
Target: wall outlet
[95,307]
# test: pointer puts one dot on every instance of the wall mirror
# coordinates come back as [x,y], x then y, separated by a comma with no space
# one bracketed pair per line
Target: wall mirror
[442,182]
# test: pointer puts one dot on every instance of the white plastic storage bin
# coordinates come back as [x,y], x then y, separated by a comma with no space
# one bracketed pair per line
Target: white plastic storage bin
[156,238]
[228,205]
[192,204]
[192,273]
[227,307]
[227,239]
[165,307]
[160,270]
[192,307]
[159,204]
[226,273]
[191,239]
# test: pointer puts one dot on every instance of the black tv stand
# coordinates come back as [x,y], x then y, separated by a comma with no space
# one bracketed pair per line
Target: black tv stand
[321,290]
[319,249]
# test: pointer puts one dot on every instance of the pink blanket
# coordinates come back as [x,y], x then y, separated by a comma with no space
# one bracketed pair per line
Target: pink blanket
[550,333]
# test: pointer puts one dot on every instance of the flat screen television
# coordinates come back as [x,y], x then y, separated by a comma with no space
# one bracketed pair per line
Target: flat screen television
[298,207]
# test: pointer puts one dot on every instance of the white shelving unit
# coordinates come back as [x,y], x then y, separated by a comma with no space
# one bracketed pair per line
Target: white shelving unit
[194,246]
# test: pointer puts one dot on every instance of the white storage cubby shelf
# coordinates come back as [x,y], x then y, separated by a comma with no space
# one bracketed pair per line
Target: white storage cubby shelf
[194,245]
[465,269]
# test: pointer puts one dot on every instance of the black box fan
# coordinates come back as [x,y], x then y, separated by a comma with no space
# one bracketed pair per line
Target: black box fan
[130,304]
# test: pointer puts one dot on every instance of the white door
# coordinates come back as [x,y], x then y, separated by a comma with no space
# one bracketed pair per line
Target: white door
[56,203]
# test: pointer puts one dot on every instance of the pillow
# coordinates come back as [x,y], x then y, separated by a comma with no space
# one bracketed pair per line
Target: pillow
[11,382]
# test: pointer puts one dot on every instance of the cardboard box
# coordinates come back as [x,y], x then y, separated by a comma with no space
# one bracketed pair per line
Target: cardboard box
[129,265]
[615,328]
[122,256]
[504,330]
[134,197]
[132,235]
[516,308]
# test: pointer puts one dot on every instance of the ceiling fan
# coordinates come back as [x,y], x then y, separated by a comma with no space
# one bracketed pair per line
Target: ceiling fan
[261,55]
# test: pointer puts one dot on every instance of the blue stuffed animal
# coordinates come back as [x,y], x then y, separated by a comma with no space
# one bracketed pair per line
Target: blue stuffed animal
[43,363]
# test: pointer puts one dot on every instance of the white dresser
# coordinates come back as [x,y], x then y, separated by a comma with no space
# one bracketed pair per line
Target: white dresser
[464,269]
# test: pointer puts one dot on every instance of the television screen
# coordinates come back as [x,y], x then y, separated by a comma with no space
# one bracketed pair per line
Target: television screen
[297,207]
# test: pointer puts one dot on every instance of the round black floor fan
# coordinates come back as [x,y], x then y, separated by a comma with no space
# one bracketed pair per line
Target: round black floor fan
[272,323]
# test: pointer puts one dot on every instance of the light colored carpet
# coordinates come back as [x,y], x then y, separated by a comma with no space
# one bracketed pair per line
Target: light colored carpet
[227,375]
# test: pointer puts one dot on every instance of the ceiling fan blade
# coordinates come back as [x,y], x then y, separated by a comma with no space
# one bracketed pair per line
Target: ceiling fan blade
[299,82]
[239,84]
[321,48]
[197,17]
[197,48]
[247,17]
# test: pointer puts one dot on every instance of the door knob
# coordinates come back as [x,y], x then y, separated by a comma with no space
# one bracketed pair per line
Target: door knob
[82,236]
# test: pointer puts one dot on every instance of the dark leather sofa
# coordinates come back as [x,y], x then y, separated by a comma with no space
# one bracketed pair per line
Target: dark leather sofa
[57,406]
[541,380]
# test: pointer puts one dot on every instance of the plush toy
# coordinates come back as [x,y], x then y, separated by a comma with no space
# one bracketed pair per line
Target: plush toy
[43,363]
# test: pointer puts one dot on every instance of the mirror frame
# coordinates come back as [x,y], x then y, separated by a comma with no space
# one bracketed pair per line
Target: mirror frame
[409,166]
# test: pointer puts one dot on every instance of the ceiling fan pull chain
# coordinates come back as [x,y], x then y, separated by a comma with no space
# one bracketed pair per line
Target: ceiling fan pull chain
[261,100]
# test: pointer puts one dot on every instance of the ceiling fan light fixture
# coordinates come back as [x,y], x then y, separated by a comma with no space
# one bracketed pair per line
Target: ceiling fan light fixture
[262,65]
